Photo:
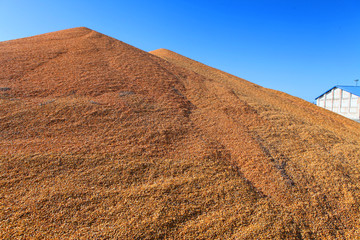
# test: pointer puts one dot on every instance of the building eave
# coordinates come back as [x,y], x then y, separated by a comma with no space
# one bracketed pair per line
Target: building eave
[326,92]
[344,88]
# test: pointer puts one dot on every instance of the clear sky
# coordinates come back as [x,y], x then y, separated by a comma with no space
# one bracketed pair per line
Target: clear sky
[300,47]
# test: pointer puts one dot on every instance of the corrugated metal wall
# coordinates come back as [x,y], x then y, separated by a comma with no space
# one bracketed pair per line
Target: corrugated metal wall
[341,102]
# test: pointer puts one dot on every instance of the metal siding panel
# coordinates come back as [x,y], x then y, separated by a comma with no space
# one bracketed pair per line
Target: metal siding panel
[337,93]
[346,94]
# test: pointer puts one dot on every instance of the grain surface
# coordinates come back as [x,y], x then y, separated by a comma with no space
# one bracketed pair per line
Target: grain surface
[101,140]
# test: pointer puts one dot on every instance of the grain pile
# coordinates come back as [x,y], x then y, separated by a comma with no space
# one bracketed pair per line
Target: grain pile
[101,140]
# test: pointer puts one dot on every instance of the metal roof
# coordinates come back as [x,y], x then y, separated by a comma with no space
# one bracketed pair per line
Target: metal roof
[351,89]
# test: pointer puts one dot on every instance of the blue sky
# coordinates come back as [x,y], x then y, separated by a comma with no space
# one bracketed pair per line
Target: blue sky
[300,47]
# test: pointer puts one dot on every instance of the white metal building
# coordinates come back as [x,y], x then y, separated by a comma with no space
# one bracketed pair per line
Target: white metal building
[344,100]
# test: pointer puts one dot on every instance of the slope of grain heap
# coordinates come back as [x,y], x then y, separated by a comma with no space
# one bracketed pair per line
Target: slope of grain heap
[99,139]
